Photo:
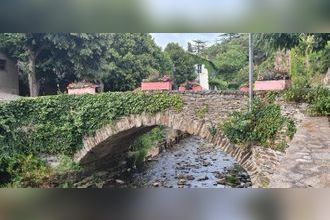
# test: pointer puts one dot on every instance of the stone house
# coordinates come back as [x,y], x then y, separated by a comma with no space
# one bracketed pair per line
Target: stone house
[8,75]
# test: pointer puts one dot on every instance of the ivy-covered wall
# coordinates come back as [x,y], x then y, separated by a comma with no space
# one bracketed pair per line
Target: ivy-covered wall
[57,124]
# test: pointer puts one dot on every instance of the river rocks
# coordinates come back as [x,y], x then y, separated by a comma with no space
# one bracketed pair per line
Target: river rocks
[190,177]
[181,182]
[203,178]
[194,166]
[234,177]
[221,181]
[120,182]
[156,184]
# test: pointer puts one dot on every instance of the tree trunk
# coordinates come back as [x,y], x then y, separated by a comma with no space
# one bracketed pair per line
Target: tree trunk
[33,83]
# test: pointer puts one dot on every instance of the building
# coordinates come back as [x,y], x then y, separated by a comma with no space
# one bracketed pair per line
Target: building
[8,75]
[202,76]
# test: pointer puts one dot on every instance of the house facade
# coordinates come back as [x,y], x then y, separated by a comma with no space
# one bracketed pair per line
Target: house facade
[8,75]
[202,76]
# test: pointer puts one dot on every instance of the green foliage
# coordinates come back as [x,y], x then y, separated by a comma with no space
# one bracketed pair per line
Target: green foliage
[218,83]
[22,170]
[183,63]
[67,165]
[200,112]
[213,130]
[131,58]
[230,58]
[260,126]
[59,57]
[56,125]
[319,99]
[144,143]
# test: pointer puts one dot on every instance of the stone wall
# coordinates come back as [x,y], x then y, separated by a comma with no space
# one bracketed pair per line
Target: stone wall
[216,105]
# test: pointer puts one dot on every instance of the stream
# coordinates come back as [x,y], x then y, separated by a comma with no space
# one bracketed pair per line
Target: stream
[191,163]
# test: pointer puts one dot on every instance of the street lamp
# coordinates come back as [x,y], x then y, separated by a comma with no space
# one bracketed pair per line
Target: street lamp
[250,72]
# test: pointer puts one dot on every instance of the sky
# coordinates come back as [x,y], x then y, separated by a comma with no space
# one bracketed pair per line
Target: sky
[162,39]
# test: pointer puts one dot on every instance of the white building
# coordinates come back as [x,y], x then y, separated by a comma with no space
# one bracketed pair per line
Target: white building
[202,76]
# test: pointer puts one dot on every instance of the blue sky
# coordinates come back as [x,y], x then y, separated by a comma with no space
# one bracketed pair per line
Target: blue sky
[162,39]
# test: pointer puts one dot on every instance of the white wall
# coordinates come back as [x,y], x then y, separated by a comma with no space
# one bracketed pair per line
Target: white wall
[203,77]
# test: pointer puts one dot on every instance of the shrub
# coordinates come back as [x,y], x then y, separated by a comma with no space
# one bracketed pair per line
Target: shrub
[23,170]
[144,143]
[318,98]
[258,126]
[67,165]
[297,92]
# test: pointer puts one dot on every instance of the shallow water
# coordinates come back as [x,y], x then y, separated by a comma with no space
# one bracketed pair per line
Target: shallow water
[192,163]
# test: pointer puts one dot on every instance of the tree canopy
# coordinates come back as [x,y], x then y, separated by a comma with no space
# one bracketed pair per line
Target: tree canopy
[55,57]
[184,69]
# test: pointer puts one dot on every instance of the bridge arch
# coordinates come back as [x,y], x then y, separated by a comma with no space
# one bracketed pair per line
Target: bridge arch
[117,137]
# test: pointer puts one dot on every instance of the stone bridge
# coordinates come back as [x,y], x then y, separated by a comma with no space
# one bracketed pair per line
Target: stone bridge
[201,112]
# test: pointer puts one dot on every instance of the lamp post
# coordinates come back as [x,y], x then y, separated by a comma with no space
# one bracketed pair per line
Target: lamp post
[250,72]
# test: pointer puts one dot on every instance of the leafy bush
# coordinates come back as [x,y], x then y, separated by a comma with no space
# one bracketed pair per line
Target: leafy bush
[66,165]
[22,170]
[318,98]
[296,94]
[218,83]
[259,126]
[144,143]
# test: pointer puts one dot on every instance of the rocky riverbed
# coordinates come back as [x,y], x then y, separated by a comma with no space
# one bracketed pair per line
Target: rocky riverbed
[192,163]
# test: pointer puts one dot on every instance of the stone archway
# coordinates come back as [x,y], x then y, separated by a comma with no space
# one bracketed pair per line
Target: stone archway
[118,136]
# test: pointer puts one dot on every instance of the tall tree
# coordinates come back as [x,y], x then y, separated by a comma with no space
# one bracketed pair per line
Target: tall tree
[131,58]
[183,63]
[199,46]
[42,54]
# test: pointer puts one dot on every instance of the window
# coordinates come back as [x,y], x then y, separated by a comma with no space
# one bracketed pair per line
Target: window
[199,68]
[2,64]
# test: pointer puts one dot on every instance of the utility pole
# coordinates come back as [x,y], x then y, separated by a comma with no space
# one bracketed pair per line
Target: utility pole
[250,72]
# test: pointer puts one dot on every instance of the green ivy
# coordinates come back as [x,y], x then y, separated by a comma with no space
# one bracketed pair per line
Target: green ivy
[57,124]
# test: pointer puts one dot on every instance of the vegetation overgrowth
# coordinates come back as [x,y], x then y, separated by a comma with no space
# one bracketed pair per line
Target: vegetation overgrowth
[263,125]
[56,125]
[139,150]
